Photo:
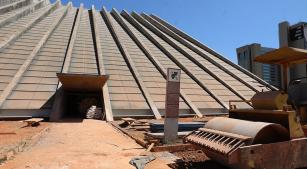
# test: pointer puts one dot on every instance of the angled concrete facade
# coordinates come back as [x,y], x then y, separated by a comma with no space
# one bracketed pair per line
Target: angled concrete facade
[39,39]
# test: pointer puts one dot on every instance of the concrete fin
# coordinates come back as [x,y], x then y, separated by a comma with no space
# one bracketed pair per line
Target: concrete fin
[131,65]
[179,39]
[29,25]
[7,91]
[151,57]
[23,13]
[186,54]
[14,5]
[105,89]
[216,54]
[134,22]
[67,60]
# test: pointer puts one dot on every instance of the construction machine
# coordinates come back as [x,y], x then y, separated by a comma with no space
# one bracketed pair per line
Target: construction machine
[270,134]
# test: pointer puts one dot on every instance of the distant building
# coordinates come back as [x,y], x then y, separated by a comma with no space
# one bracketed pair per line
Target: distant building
[294,36]
[269,73]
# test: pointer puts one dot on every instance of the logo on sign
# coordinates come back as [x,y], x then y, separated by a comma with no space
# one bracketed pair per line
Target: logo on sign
[174,75]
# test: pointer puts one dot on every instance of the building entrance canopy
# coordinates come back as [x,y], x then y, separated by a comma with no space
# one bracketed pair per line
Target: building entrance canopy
[82,82]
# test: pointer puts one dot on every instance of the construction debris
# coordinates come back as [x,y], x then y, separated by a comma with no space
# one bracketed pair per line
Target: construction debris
[174,148]
[86,104]
[94,113]
[195,159]
[150,147]
[161,135]
[140,162]
[157,127]
[134,124]
[33,122]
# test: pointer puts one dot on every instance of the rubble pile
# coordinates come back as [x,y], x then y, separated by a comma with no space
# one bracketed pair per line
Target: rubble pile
[94,112]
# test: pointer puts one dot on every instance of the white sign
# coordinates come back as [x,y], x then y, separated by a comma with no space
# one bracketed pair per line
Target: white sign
[173,75]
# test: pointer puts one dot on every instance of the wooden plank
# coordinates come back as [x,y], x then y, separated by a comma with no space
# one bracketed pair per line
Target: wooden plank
[153,59]
[150,147]
[10,87]
[29,25]
[105,89]
[179,39]
[184,53]
[174,148]
[33,120]
[211,51]
[131,65]
[161,135]
[167,53]
[23,13]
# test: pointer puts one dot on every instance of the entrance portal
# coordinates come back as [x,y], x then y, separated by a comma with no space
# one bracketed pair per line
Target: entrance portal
[77,94]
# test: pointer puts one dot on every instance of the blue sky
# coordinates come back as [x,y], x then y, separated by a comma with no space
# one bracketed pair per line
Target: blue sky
[222,25]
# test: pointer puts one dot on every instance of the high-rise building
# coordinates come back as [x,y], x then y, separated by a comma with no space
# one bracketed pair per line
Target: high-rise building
[246,55]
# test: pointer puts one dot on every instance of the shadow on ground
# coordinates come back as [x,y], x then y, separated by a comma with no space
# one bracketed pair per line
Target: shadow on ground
[194,159]
[70,120]
[196,165]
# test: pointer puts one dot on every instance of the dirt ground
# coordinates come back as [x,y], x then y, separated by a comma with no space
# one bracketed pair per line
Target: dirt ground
[86,144]
[83,144]
[196,160]
[12,132]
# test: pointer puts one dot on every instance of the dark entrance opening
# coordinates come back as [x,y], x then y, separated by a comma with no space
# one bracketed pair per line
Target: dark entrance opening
[78,93]
[78,103]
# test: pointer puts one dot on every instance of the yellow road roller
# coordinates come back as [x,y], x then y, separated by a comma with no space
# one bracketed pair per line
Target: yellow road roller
[270,134]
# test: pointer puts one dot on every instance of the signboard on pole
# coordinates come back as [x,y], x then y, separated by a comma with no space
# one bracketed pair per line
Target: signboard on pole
[172,105]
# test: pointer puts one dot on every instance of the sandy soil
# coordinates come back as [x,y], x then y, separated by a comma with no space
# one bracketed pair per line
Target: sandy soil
[12,132]
[86,144]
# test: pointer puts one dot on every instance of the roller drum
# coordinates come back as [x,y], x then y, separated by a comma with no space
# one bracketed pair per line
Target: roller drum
[271,100]
[222,136]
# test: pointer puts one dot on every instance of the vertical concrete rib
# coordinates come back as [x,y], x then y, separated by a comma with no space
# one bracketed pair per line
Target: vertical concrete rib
[67,60]
[184,53]
[151,57]
[14,6]
[7,91]
[59,95]
[131,65]
[23,13]
[211,51]
[167,53]
[105,89]
[16,35]
[92,25]
[179,39]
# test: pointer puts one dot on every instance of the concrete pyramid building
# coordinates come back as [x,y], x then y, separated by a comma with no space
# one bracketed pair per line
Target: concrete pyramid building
[39,40]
